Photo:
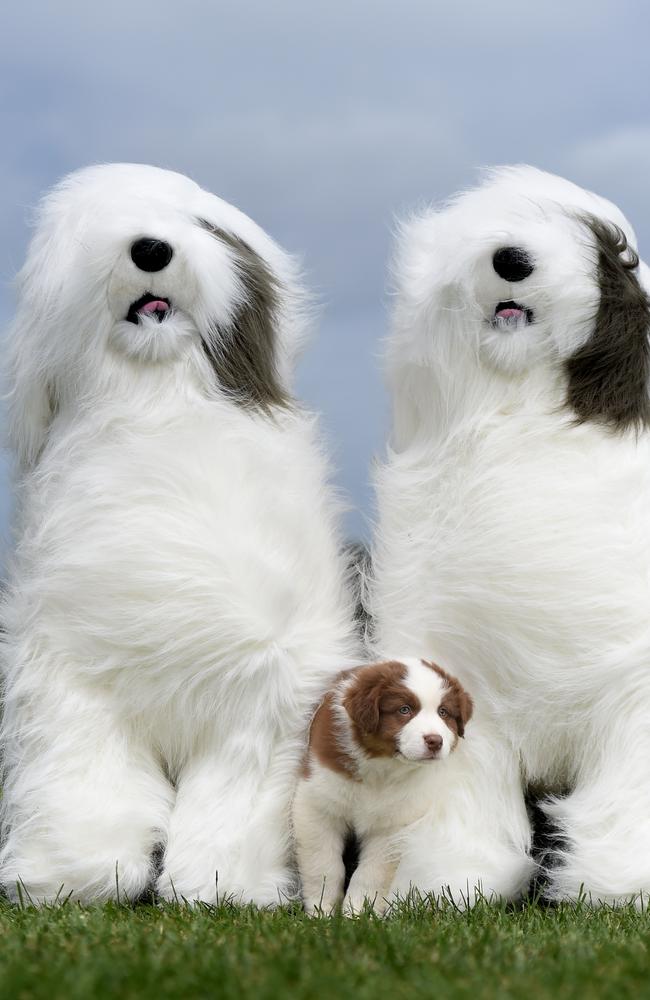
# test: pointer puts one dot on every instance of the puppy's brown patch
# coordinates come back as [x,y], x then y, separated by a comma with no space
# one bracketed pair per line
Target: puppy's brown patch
[373,701]
[325,741]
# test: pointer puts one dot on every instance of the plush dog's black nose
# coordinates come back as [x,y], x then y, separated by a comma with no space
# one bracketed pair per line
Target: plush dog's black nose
[150,254]
[512,263]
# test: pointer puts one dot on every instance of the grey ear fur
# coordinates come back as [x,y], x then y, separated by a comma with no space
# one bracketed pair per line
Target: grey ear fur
[31,396]
[608,376]
[30,416]
[243,355]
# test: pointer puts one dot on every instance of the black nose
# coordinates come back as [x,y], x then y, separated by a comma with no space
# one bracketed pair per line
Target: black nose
[151,255]
[512,264]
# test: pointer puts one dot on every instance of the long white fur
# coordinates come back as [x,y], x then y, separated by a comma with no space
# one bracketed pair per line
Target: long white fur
[177,600]
[513,546]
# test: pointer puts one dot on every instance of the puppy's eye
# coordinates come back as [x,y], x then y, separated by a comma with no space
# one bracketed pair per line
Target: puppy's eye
[404,710]
[442,712]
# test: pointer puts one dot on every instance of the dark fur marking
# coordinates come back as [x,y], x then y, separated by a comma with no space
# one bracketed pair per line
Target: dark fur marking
[243,355]
[608,376]
[372,702]
[325,740]
[359,567]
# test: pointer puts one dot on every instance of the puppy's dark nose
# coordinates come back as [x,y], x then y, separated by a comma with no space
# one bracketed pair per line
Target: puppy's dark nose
[433,742]
[512,263]
[150,254]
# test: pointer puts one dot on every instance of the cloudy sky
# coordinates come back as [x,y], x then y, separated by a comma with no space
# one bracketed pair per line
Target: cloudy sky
[325,121]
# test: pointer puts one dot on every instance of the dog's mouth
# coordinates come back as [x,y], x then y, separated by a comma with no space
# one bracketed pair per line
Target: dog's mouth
[148,305]
[422,759]
[511,315]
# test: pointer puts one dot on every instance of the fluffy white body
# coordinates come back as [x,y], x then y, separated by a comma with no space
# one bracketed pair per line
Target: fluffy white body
[514,541]
[177,600]
[370,776]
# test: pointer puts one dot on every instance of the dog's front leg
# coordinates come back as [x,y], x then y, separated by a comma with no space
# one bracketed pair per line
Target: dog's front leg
[604,822]
[229,830]
[371,882]
[474,841]
[84,799]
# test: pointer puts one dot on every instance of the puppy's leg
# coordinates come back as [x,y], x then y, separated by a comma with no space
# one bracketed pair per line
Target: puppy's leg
[475,839]
[83,802]
[604,822]
[319,839]
[371,882]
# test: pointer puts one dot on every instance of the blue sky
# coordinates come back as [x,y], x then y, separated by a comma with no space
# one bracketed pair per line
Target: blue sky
[325,121]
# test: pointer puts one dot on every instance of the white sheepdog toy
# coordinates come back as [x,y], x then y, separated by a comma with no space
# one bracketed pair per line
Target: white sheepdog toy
[177,602]
[513,543]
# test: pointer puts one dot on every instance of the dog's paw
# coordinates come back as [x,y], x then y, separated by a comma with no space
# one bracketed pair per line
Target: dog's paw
[372,902]
[324,906]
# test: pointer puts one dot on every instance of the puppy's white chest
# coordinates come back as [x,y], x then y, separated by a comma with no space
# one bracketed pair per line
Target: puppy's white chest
[385,805]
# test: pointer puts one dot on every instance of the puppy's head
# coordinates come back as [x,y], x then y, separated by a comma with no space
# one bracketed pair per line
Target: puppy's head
[407,709]
[526,272]
[138,269]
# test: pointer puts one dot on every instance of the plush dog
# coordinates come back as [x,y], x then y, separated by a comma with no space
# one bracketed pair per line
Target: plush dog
[514,529]
[177,600]
[364,774]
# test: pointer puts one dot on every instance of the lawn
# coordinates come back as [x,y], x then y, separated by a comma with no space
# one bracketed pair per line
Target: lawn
[420,951]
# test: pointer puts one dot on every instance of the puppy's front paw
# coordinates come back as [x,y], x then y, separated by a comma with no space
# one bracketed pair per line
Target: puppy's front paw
[356,903]
[321,907]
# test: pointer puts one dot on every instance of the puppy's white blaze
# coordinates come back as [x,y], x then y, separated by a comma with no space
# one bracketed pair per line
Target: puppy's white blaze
[429,688]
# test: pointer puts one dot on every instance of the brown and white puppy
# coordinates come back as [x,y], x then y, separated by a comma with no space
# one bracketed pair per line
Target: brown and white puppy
[367,742]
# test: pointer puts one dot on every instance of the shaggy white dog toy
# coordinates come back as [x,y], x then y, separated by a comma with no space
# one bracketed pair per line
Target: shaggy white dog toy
[177,602]
[514,535]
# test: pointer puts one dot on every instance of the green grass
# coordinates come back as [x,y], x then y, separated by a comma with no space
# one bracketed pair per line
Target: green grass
[172,951]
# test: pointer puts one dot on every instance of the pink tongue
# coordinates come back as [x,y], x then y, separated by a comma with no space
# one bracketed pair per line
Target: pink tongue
[510,313]
[151,307]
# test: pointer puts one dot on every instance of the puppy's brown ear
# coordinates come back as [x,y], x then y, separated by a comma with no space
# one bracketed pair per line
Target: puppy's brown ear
[362,705]
[465,710]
